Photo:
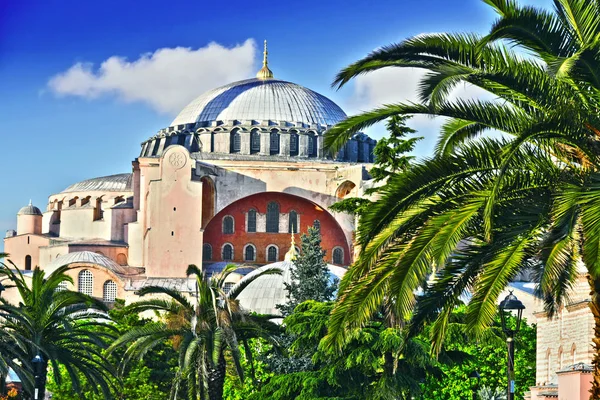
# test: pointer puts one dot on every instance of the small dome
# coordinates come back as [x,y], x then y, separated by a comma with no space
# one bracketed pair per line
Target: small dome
[111,183]
[29,210]
[265,293]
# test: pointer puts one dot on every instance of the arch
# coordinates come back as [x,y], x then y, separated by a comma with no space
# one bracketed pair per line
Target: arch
[249,252]
[273,217]
[85,200]
[228,225]
[118,199]
[274,140]
[344,189]
[227,253]
[121,259]
[251,223]
[28,262]
[560,358]
[109,291]
[294,143]
[206,252]
[573,354]
[338,255]
[293,222]
[98,213]
[73,201]
[85,282]
[272,253]
[254,141]
[235,141]
[549,366]
[208,200]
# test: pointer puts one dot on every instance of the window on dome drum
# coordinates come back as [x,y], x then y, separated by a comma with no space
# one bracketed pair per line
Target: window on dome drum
[338,256]
[272,254]
[274,148]
[156,145]
[236,142]
[273,217]
[227,252]
[250,253]
[181,140]
[254,141]
[293,144]
[227,286]
[251,221]
[109,292]
[312,146]
[228,227]
[293,224]
[206,252]
[85,282]
[28,263]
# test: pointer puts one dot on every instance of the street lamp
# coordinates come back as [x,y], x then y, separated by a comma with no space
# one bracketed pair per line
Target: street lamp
[475,376]
[507,306]
[38,365]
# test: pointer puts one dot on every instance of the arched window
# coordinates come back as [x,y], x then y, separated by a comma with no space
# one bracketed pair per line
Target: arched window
[227,286]
[206,252]
[273,217]
[254,141]
[121,259]
[86,282]
[227,252]
[312,146]
[272,254]
[109,292]
[249,253]
[338,256]
[28,263]
[293,144]
[228,226]
[560,358]
[317,224]
[251,220]
[293,223]
[573,354]
[274,147]
[236,142]
[549,364]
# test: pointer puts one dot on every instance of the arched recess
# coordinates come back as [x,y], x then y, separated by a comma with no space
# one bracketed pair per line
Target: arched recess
[28,262]
[208,200]
[344,189]
[121,259]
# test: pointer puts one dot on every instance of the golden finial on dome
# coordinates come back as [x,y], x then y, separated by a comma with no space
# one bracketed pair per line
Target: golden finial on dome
[291,255]
[265,72]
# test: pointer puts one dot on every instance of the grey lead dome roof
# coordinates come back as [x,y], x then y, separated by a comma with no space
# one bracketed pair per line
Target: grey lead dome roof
[260,100]
[111,183]
[29,210]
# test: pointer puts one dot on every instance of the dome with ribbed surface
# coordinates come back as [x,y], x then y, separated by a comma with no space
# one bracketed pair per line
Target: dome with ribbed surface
[261,100]
[111,183]
[29,209]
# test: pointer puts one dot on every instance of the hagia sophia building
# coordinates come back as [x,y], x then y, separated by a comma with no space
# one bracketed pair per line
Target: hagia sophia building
[239,171]
[238,175]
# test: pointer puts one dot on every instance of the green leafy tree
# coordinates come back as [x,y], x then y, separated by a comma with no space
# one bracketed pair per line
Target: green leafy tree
[310,277]
[145,379]
[61,326]
[529,197]
[205,330]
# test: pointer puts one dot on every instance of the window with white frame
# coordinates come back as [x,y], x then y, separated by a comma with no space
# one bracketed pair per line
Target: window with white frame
[228,225]
[293,222]
[272,253]
[206,252]
[273,217]
[338,256]
[86,282]
[227,252]
[249,253]
[254,141]
[251,221]
[227,286]
[109,292]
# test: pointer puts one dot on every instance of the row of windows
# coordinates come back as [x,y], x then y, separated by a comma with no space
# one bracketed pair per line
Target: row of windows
[249,252]
[85,285]
[274,143]
[272,221]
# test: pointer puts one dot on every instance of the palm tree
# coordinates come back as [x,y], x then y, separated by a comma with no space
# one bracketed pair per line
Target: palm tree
[65,328]
[482,208]
[202,329]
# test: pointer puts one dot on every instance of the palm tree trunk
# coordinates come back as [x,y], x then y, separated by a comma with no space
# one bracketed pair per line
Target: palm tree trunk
[216,380]
[594,283]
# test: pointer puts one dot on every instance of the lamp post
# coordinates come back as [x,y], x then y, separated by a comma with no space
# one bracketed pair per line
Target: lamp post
[474,376]
[507,306]
[38,363]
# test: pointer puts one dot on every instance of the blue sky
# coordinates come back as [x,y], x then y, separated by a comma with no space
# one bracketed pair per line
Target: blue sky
[64,118]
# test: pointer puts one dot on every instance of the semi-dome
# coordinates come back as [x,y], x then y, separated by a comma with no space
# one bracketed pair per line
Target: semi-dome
[265,293]
[261,100]
[29,209]
[111,183]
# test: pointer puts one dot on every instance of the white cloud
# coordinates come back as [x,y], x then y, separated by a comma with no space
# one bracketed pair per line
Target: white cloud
[167,79]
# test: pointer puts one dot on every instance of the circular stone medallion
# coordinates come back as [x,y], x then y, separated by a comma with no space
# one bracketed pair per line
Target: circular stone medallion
[177,160]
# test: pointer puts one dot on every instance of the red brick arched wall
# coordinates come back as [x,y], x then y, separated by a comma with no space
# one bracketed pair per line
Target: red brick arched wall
[331,232]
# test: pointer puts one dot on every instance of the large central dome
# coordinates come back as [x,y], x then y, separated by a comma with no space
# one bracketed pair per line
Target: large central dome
[261,100]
